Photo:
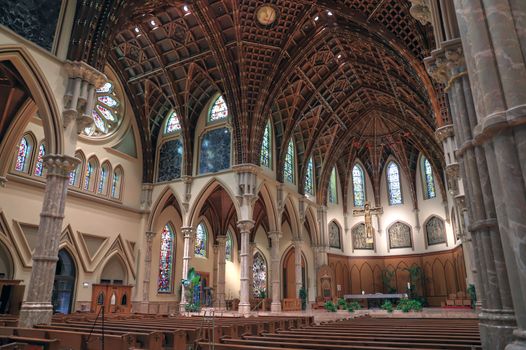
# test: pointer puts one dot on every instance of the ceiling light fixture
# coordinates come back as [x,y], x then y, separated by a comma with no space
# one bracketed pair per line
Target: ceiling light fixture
[340,56]
[316,18]
[185,8]
[329,13]
[152,22]
[136,29]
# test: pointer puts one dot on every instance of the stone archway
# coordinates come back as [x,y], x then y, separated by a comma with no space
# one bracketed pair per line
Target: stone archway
[64,283]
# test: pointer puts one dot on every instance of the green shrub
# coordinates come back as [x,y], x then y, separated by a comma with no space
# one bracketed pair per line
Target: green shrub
[329,306]
[407,305]
[342,304]
[388,306]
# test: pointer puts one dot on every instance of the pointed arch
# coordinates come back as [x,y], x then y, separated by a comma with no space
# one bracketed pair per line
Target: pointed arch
[166,195]
[427,177]
[270,208]
[104,178]
[167,249]
[90,174]
[259,274]
[265,157]
[289,165]
[117,183]
[359,185]
[25,153]
[75,176]
[393,177]
[335,234]
[39,161]
[332,188]
[309,185]
[114,269]
[42,99]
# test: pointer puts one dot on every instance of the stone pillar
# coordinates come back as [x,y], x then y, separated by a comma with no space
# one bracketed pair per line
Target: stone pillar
[297,264]
[251,252]
[150,235]
[215,249]
[275,306]
[244,299]
[221,258]
[324,239]
[79,100]
[188,235]
[496,318]
[38,308]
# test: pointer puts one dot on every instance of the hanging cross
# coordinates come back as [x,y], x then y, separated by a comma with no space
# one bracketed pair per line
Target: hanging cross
[367,212]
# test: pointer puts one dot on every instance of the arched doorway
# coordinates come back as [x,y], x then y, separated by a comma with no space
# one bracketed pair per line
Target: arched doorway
[6,263]
[64,284]
[289,274]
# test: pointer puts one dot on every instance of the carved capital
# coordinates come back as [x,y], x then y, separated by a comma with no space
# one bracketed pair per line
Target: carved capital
[150,236]
[453,171]
[420,11]
[274,236]
[460,203]
[221,240]
[447,63]
[444,132]
[188,231]
[82,70]
[245,225]
[59,165]
[3,180]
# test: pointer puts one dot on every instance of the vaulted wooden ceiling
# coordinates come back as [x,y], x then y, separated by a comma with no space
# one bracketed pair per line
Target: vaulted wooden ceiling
[344,78]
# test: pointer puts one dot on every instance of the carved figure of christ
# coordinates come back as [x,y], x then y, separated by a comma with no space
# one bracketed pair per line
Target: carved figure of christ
[368,212]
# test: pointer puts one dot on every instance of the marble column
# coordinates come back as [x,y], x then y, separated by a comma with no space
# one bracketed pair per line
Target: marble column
[497,319]
[221,259]
[215,249]
[37,308]
[275,306]
[324,239]
[188,235]
[297,264]
[245,226]
[150,235]
[251,252]
[494,38]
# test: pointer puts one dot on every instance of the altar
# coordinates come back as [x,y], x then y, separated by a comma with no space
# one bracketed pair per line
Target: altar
[374,300]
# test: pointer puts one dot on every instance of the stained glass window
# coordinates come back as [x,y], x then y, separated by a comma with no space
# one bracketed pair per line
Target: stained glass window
[266,150]
[288,170]
[309,178]
[358,184]
[22,158]
[201,240]
[259,275]
[172,124]
[219,110]
[170,160]
[228,246]
[106,113]
[39,166]
[73,177]
[166,260]
[214,154]
[428,179]
[88,175]
[103,180]
[332,193]
[394,188]
[334,235]
[116,183]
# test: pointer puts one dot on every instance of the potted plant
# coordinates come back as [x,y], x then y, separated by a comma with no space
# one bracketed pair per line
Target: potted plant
[303,297]
[190,284]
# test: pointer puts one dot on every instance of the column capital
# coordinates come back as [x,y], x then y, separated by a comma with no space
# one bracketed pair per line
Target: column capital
[3,180]
[420,11]
[150,235]
[245,225]
[188,231]
[444,132]
[460,202]
[59,165]
[221,240]
[275,235]
[82,70]
[447,64]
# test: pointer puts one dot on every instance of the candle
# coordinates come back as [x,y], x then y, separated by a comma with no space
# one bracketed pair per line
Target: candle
[363,292]
[408,285]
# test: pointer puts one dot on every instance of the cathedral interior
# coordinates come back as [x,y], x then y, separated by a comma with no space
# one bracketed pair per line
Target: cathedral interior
[278,158]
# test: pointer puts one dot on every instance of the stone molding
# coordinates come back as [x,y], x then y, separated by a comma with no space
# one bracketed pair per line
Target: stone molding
[275,235]
[447,64]
[245,225]
[188,231]
[150,236]
[444,132]
[59,165]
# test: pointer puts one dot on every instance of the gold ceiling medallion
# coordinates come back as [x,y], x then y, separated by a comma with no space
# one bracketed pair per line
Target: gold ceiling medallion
[266,15]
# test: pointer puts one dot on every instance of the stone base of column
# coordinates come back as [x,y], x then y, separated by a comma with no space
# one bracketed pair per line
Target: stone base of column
[182,307]
[275,307]
[496,328]
[33,313]
[244,308]
[143,307]
[520,340]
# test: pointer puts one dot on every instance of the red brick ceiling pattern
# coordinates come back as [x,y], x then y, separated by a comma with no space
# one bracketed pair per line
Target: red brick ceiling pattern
[344,78]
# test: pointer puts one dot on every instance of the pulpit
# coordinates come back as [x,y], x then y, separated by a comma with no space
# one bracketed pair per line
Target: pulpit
[115,298]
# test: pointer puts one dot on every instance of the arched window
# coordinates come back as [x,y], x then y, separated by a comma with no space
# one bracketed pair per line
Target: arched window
[218,111]
[288,169]
[75,176]
[215,151]
[201,240]
[333,188]
[266,148]
[166,258]
[106,113]
[334,235]
[89,176]
[170,160]
[394,188]
[358,185]
[39,166]
[172,124]
[429,182]
[116,184]
[23,155]
[259,275]
[309,178]
[229,244]
[102,188]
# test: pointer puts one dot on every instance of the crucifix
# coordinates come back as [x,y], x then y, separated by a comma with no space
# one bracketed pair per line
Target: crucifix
[367,212]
